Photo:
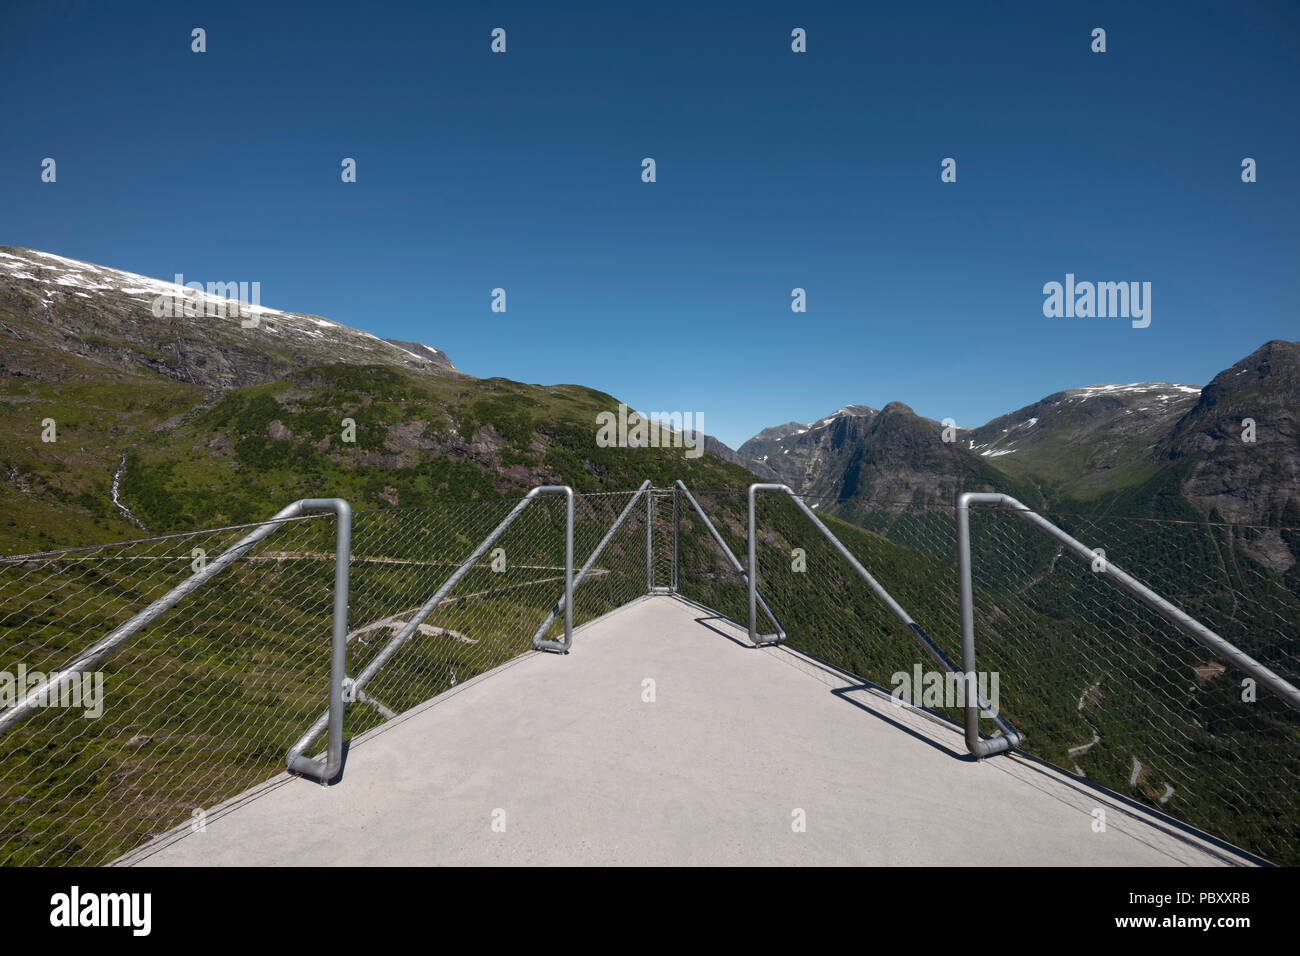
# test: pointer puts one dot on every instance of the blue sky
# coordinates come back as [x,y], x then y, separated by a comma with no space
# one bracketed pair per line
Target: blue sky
[775,170]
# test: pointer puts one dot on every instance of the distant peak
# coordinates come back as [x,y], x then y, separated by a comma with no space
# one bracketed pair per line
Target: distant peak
[894,408]
[845,411]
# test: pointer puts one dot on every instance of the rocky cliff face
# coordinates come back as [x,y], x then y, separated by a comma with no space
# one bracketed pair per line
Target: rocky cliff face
[859,457]
[1245,480]
[758,468]
[795,453]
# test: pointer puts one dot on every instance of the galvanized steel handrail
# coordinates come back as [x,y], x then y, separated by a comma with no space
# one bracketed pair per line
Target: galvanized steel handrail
[295,759]
[1175,615]
[338,652]
[1011,738]
[735,563]
[565,601]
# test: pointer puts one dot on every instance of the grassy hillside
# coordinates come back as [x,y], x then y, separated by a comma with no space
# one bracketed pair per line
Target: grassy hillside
[197,458]
[59,493]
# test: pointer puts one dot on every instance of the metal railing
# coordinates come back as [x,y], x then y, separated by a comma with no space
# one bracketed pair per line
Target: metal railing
[750,580]
[206,683]
[225,664]
[53,686]
[565,604]
[226,658]
[333,716]
[974,701]
[1126,582]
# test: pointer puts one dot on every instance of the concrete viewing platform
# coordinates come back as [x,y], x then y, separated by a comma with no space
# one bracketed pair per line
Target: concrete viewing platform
[737,741]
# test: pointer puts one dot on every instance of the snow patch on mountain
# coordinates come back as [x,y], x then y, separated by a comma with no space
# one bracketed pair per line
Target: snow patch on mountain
[1164,390]
[53,278]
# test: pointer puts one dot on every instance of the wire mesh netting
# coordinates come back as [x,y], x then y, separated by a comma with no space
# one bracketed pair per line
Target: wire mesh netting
[1097,682]
[1108,688]
[662,540]
[826,610]
[206,700]
[193,709]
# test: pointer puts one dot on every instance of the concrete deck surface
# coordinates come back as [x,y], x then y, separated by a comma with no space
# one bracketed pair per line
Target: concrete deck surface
[711,772]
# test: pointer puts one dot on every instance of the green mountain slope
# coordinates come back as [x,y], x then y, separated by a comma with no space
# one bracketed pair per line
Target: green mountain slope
[202,421]
[1085,440]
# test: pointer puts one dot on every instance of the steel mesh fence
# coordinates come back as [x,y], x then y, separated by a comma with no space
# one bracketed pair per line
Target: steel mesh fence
[705,574]
[205,701]
[825,608]
[195,708]
[662,545]
[1096,682]
[1106,687]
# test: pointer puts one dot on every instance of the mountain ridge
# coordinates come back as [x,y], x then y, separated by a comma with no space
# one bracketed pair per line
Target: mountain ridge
[110,316]
[129,416]
[1101,446]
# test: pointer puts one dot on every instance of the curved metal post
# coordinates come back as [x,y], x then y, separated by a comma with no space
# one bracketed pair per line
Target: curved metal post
[333,716]
[294,757]
[735,563]
[1175,615]
[973,701]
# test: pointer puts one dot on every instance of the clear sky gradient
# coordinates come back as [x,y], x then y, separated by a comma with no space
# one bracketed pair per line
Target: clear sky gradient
[775,170]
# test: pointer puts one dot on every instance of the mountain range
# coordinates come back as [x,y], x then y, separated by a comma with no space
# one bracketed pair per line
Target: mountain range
[1229,451]
[201,418]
